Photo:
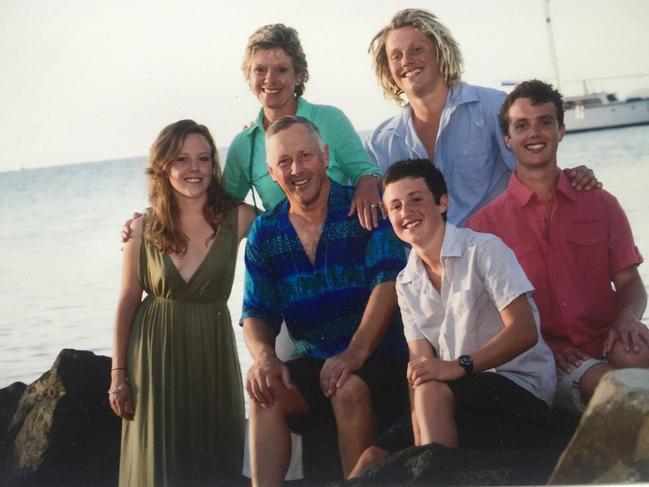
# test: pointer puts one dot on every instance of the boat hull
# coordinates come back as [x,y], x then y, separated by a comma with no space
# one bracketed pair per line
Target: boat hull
[610,115]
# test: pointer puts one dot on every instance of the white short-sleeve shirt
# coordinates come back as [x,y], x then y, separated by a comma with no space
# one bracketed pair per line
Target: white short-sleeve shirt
[480,277]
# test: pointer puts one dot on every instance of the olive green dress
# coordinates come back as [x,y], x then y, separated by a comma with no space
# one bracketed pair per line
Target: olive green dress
[184,373]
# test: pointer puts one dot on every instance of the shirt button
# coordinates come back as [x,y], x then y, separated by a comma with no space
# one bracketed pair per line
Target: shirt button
[564,304]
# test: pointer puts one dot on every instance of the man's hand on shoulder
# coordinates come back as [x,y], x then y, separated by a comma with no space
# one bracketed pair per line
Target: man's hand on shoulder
[582,178]
[337,369]
[127,229]
[266,375]
[426,368]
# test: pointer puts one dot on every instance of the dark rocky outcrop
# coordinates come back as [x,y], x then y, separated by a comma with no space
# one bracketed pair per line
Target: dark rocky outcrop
[9,398]
[63,431]
[498,451]
[436,465]
[610,445]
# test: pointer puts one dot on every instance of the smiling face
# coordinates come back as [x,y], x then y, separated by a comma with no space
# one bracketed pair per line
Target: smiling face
[413,61]
[534,133]
[273,79]
[191,171]
[298,163]
[414,215]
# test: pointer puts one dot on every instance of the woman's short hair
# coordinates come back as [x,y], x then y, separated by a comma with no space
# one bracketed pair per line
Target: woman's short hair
[449,57]
[274,36]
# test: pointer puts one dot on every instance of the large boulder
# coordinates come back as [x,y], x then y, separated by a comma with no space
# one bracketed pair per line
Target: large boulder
[497,451]
[63,431]
[612,441]
[436,465]
[9,398]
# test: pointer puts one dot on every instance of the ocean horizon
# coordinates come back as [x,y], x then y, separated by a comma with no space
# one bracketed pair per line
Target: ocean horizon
[61,245]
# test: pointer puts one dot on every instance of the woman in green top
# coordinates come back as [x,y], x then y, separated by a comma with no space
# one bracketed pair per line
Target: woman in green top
[275,66]
[175,378]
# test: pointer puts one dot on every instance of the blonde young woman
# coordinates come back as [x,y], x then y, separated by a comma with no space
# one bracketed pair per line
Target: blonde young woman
[175,378]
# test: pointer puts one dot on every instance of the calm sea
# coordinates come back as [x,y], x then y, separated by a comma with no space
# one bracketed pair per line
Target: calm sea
[60,250]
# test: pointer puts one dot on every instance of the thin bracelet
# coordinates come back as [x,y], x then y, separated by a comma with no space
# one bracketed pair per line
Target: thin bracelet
[117,389]
[118,368]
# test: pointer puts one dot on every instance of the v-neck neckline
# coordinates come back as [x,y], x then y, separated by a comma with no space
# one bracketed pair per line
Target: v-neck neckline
[317,247]
[198,268]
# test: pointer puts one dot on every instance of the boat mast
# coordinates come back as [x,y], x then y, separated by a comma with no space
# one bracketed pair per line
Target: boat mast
[553,50]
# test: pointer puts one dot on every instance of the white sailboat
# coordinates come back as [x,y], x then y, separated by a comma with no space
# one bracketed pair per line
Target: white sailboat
[596,111]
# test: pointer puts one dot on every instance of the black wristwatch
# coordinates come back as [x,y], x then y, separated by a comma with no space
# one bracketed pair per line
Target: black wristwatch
[466,362]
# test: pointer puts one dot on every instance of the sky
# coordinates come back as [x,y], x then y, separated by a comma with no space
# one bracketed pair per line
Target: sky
[85,81]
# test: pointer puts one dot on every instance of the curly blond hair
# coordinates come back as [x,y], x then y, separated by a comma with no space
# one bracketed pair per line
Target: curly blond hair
[449,57]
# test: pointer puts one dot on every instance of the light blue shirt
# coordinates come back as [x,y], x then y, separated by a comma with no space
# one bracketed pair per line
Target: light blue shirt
[470,150]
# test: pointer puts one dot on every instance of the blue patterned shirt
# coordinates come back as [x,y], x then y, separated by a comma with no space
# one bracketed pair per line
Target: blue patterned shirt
[322,303]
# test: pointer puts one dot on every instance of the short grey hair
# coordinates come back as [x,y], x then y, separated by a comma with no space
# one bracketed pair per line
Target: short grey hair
[287,121]
[449,57]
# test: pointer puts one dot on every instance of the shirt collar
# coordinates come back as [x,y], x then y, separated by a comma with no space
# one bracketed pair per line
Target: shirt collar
[565,187]
[522,194]
[458,95]
[258,124]
[452,246]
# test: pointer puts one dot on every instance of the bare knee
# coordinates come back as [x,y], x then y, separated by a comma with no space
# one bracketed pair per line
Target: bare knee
[619,358]
[369,457]
[354,395]
[434,393]
[589,381]
[286,403]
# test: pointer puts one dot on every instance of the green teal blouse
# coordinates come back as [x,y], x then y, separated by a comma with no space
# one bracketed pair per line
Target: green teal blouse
[348,161]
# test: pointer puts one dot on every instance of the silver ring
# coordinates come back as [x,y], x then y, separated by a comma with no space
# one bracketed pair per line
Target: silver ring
[374,205]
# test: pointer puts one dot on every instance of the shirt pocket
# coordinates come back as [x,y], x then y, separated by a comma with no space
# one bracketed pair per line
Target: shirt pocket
[588,244]
[463,302]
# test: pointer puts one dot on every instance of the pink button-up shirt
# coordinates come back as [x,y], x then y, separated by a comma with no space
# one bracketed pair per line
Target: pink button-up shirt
[570,257]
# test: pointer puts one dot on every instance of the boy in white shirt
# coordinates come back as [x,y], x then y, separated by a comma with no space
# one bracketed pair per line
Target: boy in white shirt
[471,325]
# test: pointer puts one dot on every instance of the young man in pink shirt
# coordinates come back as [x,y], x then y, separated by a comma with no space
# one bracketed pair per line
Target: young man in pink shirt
[572,246]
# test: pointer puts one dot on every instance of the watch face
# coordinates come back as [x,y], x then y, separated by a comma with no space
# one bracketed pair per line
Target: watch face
[465,361]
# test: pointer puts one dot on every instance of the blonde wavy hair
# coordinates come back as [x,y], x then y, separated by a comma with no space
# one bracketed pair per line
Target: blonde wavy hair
[163,226]
[278,36]
[449,57]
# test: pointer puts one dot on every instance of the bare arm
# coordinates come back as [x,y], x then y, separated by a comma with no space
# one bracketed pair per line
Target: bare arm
[246,215]
[518,335]
[267,371]
[631,303]
[377,317]
[130,296]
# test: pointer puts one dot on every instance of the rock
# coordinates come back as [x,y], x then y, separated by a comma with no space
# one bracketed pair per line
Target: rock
[497,451]
[9,397]
[63,431]
[612,441]
[435,464]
